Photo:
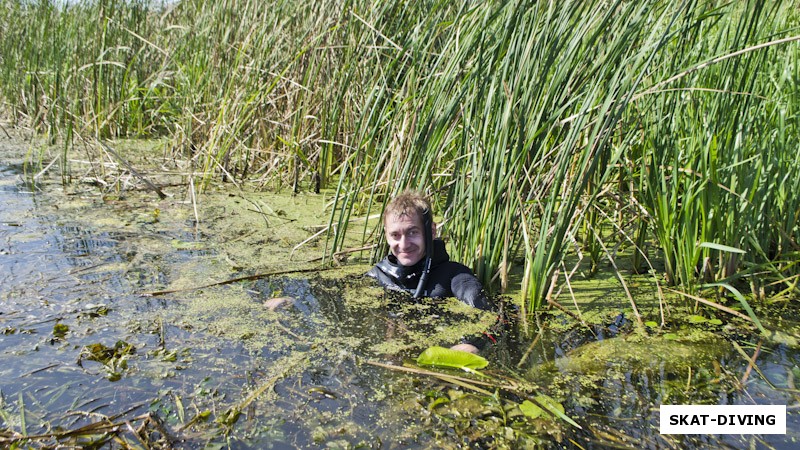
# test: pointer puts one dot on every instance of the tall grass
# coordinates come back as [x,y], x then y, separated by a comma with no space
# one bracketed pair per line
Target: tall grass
[536,108]
[711,153]
[535,125]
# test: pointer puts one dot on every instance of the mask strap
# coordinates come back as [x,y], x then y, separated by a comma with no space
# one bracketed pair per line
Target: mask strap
[427,224]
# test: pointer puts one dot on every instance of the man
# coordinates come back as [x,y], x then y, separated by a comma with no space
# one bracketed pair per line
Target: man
[419,264]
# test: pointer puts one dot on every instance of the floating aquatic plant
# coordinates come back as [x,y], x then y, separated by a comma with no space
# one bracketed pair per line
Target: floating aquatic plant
[445,357]
[539,404]
[114,359]
[60,330]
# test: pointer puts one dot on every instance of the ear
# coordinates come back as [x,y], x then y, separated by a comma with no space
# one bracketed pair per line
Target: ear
[433,229]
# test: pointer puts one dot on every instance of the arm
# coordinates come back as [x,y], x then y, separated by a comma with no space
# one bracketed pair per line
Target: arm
[468,289]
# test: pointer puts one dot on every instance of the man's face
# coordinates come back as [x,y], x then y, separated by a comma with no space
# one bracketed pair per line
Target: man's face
[406,237]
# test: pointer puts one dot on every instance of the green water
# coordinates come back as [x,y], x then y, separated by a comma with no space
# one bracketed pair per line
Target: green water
[209,366]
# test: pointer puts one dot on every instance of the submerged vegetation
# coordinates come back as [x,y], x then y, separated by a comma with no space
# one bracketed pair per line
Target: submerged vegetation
[663,131]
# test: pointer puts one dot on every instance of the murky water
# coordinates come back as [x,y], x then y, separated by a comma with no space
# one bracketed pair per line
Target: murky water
[80,346]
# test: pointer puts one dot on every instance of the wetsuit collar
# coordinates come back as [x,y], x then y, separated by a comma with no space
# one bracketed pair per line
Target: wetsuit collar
[399,272]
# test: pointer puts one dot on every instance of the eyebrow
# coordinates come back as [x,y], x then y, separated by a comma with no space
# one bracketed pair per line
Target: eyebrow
[412,227]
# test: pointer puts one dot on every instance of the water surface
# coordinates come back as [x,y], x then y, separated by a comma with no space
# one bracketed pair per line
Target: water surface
[82,345]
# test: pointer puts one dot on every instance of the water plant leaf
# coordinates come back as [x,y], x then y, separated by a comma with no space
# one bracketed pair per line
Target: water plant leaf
[438,401]
[722,248]
[60,330]
[550,404]
[445,357]
[186,245]
[697,319]
[104,354]
[530,409]
[545,402]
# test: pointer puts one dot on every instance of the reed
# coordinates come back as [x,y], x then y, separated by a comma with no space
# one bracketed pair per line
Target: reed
[710,157]
[535,125]
[539,112]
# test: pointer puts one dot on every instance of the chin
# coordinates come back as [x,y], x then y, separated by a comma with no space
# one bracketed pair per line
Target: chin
[408,261]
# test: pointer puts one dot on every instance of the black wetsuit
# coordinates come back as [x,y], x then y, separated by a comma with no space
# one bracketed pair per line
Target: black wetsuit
[446,278]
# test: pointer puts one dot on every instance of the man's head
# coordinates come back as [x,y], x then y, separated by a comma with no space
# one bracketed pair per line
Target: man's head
[404,226]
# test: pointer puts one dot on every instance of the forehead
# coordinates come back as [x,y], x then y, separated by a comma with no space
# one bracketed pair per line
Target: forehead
[402,221]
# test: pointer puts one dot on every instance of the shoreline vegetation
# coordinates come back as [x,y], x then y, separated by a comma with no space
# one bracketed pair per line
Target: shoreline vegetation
[548,132]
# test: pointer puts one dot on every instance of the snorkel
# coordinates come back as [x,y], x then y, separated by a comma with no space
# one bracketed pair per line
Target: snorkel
[427,225]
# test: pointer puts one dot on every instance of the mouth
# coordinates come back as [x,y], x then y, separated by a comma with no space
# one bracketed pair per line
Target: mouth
[407,255]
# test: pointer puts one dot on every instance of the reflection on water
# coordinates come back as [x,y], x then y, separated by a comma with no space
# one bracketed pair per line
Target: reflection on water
[215,366]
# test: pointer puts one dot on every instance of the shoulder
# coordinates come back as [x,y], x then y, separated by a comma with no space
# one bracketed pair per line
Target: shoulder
[387,275]
[382,277]
[457,273]
[374,272]
[452,267]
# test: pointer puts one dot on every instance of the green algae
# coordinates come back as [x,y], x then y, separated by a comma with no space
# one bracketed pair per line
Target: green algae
[231,312]
[420,324]
[607,371]
[264,231]
[161,245]
[637,353]
[348,272]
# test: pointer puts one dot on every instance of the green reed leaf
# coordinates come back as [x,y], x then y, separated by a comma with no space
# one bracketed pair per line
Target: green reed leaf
[742,300]
[722,248]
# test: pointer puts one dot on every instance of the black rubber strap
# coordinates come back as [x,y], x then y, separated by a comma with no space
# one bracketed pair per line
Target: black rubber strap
[427,224]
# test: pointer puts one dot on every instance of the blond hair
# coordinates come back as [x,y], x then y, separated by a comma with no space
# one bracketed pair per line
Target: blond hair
[406,203]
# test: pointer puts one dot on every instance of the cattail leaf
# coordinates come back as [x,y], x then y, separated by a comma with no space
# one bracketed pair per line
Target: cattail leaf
[722,248]
[743,301]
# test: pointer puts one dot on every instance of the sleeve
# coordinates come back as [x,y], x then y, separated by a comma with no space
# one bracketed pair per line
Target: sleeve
[468,289]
